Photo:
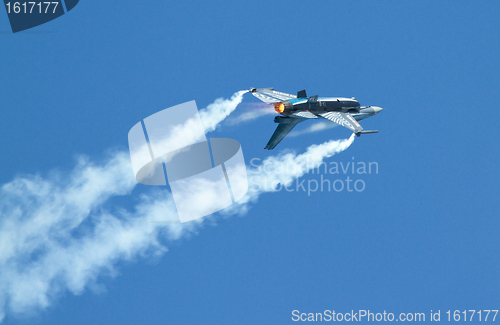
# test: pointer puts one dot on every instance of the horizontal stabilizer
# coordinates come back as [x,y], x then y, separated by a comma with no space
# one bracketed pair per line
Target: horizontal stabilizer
[366,132]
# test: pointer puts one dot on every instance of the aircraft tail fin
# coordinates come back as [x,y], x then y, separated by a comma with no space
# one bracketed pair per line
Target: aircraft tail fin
[302,94]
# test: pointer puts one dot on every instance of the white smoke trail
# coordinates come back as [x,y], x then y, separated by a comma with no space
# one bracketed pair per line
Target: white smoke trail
[219,110]
[60,234]
[188,132]
[57,234]
[298,165]
[284,170]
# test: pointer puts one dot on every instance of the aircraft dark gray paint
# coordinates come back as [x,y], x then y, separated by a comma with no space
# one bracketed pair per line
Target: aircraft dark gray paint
[295,109]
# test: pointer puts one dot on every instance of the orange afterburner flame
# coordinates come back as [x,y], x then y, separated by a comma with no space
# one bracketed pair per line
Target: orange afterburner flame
[279,108]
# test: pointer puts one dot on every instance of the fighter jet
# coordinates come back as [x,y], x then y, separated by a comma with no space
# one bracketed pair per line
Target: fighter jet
[295,109]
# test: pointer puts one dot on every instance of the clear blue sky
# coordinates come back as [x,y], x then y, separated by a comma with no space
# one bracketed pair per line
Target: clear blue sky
[423,234]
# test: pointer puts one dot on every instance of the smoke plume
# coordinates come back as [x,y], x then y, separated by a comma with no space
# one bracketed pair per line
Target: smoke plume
[60,233]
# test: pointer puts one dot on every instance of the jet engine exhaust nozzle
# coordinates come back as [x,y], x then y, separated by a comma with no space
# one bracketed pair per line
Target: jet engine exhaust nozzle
[285,107]
[279,107]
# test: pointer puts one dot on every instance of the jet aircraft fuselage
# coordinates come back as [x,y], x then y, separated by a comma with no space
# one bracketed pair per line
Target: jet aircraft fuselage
[295,109]
[326,104]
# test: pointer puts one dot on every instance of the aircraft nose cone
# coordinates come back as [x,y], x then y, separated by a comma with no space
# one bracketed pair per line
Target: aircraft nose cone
[377,109]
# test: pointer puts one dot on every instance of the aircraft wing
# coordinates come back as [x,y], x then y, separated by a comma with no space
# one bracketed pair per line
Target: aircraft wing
[270,96]
[286,124]
[304,114]
[343,119]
